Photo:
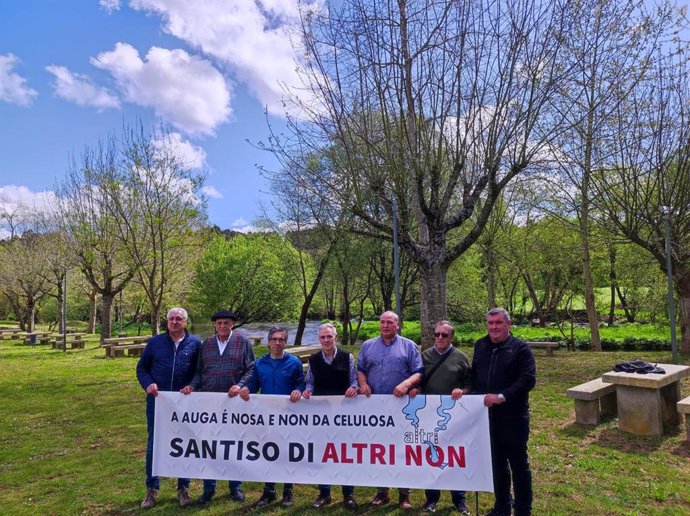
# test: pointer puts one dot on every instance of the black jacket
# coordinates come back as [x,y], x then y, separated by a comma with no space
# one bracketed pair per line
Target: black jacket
[506,368]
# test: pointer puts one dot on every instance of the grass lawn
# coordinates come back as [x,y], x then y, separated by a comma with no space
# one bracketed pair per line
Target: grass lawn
[73,433]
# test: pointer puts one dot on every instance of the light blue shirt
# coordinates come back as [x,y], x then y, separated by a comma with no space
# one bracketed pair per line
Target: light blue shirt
[386,365]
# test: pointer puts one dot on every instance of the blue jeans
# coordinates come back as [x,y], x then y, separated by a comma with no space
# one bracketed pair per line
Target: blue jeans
[151,481]
[325,491]
[210,486]
[509,459]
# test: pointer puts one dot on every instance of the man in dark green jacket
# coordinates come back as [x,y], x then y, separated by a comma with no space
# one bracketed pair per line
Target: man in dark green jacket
[446,371]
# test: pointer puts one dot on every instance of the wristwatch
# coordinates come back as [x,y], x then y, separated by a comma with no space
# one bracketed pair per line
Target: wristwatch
[501,397]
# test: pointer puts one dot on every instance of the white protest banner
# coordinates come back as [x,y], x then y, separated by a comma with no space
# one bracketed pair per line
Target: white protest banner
[424,442]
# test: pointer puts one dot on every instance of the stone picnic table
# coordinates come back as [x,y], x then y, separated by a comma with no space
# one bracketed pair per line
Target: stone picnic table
[647,402]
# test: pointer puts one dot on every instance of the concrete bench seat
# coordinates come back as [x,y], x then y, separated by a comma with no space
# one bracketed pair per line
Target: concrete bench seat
[133,350]
[592,400]
[684,408]
[548,346]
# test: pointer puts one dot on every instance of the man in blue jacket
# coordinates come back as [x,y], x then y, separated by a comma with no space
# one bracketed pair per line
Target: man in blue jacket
[503,369]
[276,372]
[167,364]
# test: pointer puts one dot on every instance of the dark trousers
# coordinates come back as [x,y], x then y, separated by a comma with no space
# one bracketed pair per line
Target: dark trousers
[325,491]
[151,481]
[434,495]
[509,459]
[271,486]
[210,486]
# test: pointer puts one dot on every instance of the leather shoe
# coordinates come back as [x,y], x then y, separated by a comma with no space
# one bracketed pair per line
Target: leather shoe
[381,499]
[266,498]
[350,503]
[204,499]
[321,501]
[237,495]
[429,507]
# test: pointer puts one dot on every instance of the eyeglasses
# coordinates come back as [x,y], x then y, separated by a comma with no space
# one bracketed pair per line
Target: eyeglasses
[441,334]
[274,339]
[177,319]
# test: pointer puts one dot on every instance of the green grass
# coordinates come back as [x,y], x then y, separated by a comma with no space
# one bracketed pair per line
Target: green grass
[73,433]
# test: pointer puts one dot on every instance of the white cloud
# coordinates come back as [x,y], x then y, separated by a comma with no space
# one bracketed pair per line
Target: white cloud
[251,37]
[211,192]
[190,155]
[13,87]
[22,208]
[110,5]
[80,90]
[242,226]
[184,90]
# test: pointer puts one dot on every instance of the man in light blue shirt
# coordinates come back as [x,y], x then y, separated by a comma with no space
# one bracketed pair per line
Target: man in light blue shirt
[389,364]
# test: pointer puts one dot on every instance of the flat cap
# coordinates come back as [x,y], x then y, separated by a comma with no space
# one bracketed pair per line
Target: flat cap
[224,314]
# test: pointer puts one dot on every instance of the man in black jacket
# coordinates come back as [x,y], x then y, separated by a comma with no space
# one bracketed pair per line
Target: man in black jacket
[503,369]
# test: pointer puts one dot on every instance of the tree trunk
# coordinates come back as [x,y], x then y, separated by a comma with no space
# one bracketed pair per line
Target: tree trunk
[155,319]
[613,280]
[106,308]
[682,281]
[91,323]
[592,316]
[304,312]
[433,291]
[491,278]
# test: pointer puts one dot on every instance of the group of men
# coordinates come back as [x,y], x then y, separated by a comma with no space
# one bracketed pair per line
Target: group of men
[502,369]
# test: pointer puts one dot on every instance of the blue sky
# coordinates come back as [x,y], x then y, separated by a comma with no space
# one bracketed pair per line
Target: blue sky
[72,71]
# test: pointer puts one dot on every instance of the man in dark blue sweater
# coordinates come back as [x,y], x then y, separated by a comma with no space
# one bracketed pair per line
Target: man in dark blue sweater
[503,369]
[167,364]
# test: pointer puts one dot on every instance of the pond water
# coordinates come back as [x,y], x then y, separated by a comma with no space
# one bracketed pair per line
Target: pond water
[310,336]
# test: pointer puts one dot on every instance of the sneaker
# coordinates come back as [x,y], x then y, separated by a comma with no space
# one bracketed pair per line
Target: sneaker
[462,508]
[266,498]
[321,501]
[287,498]
[429,507]
[350,503]
[236,495]
[183,496]
[150,500]
[381,499]
[204,499]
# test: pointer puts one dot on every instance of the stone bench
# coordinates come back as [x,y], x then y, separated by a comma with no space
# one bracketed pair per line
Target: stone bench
[592,400]
[684,408]
[548,346]
[133,350]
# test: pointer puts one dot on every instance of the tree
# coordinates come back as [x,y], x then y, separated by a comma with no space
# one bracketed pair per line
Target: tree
[251,275]
[157,208]
[309,228]
[435,104]
[22,263]
[609,50]
[651,180]
[85,214]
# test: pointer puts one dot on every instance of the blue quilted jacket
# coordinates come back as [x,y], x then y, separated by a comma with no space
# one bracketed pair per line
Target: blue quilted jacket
[170,369]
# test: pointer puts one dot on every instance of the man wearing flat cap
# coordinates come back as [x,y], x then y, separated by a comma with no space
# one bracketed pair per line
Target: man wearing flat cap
[225,363]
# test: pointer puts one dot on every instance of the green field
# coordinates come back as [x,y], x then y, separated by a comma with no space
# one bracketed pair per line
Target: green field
[73,435]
